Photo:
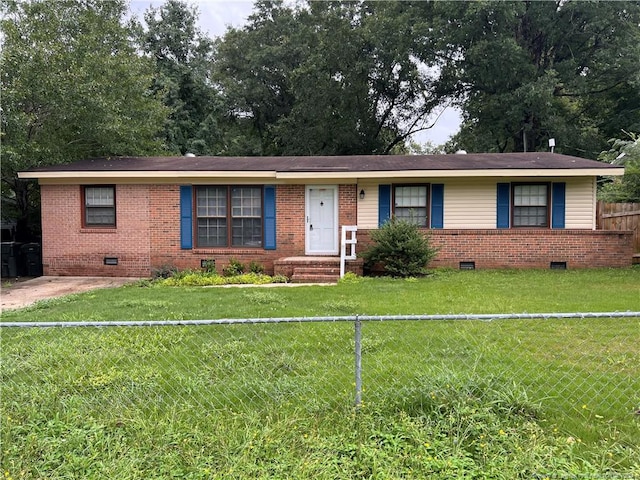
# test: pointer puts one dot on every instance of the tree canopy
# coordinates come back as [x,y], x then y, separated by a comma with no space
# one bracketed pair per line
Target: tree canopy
[624,151]
[325,78]
[322,78]
[183,58]
[73,87]
[523,72]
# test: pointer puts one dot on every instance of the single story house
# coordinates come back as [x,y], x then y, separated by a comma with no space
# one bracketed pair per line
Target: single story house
[127,216]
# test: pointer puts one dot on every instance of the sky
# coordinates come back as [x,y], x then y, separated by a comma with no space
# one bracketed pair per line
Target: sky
[218,15]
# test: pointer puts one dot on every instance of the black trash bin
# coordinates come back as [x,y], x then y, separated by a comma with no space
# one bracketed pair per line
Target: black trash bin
[32,254]
[12,264]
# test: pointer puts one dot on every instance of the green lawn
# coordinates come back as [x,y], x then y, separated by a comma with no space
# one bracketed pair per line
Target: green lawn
[445,399]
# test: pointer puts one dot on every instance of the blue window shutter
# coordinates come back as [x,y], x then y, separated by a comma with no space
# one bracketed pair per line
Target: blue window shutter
[186,214]
[269,217]
[558,194]
[384,204]
[504,199]
[437,205]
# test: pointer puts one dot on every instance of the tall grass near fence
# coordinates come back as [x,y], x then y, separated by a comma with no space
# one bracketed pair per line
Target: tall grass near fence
[275,400]
[441,399]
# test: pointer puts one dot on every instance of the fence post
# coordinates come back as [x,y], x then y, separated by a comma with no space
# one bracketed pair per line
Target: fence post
[358,357]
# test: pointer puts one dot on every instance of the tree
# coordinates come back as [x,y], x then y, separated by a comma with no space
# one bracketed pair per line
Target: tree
[626,152]
[73,87]
[325,78]
[183,56]
[525,71]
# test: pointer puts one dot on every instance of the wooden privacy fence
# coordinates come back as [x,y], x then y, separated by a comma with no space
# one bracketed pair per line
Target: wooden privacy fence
[620,216]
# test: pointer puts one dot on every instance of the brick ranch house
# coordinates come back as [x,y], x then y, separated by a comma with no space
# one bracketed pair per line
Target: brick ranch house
[129,216]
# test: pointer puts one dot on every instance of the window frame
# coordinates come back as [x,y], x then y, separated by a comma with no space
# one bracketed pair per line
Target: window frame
[427,206]
[513,204]
[229,217]
[85,207]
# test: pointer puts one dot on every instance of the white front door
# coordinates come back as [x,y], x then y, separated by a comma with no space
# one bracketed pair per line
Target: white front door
[322,220]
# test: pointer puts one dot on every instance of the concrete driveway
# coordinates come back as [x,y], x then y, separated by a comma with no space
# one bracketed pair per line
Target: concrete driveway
[24,293]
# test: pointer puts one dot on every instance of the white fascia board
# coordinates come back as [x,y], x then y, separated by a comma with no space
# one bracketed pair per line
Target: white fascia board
[148,175]
[565,172]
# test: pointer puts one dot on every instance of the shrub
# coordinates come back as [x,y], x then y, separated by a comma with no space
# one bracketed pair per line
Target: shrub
[164,271]
[401,248]
[255,267]
[234,268]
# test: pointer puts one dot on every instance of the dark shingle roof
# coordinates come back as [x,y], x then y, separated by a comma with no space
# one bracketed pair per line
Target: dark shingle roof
[353,163]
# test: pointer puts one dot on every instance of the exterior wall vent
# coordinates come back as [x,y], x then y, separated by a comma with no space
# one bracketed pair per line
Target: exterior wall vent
[111,260]
[207,263]
[467,265]
[558,266]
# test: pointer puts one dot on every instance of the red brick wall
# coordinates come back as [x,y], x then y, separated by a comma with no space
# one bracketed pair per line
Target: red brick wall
[69,249]
[148,237]
[348,201]
[527,248]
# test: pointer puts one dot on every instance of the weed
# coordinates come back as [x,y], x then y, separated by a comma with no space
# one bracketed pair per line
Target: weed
[350,277]
[234,268]
[255,267]
[261,297]
[164,271]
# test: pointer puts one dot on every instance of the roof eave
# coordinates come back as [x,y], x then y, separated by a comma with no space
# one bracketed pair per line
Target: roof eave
[315,175]
[506,172]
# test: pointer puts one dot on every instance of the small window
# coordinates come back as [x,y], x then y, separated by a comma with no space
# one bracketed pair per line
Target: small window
[100,206]
[410,204]
[531,205]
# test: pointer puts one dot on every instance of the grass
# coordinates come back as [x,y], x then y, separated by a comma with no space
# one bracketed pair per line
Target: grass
[502,399]
[442,292]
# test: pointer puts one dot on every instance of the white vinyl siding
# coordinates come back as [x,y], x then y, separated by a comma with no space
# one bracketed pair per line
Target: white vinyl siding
[580,205]
[368,207]
[470,203]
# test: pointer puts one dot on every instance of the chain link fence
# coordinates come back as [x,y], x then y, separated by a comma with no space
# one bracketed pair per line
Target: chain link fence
[581,366]
[563,361]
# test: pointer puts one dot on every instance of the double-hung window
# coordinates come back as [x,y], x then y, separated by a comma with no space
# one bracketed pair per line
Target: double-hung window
[411,204]
[229,216]
[99,206]
[531,205]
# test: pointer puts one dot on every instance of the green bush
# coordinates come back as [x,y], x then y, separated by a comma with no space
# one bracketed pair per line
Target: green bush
[234,268]
[164,271]
[255,267]
[401,248]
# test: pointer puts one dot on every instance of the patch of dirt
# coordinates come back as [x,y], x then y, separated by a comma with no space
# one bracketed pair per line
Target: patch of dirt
[19,293]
